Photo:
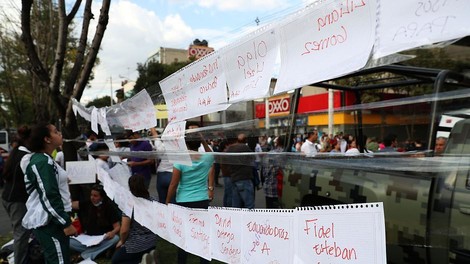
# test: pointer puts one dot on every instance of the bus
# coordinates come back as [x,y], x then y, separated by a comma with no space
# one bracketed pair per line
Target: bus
[425,196]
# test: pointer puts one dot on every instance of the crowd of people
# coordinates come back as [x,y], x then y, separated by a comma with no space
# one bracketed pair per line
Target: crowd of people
[41,204]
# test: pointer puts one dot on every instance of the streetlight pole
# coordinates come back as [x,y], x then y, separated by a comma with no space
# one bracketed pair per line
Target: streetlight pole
[111,95]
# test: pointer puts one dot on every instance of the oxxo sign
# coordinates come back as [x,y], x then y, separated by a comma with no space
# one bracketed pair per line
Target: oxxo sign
[279,106]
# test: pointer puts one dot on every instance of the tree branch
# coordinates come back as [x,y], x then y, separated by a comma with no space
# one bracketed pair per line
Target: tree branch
[36,65]
[70,82]
[93,52]
[74,11]
[58,66]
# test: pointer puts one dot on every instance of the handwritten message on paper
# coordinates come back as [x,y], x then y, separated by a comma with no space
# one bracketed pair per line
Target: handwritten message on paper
[109,185]
[198,90]
[80,172]
[406,24]
[145,212]
[121,173]
[318,234]
[340,234]
[112,148]
[226,234]
[140,111]
[249,66]
[103,122]
[177,225]
[124,199]
[175,144]
[162,221]
[264,233]
[326,42]
[198,233]
[118,118]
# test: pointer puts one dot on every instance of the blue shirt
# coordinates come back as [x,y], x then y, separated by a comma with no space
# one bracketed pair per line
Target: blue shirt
[193,181]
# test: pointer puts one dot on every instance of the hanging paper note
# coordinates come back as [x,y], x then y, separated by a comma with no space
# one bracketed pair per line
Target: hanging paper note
[249,65]
[177,225]
[407,24]
[226,234]
[80,172]
[198,89]
[198,233]
[162,221]
[325,42]
[265,232]
[140,111]
[340,234]
[175,145]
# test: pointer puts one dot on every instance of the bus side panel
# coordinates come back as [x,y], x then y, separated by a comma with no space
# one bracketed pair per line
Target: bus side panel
[405,201]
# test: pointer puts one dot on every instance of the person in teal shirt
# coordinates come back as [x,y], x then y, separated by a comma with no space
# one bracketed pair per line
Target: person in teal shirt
[192,185]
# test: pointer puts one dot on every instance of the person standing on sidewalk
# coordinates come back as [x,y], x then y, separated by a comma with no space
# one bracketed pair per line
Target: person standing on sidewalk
[49,201]
[241,174]
[14,195]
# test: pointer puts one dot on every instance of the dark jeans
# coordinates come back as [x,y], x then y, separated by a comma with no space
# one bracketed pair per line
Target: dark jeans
[272,203]
[243,194]
[163,182]
[216,172]
[16,212]
[227,192]
[183,255]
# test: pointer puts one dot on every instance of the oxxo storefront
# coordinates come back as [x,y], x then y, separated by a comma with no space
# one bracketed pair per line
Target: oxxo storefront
[312,113]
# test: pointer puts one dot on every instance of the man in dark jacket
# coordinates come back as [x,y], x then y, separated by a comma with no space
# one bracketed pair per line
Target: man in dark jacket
[14,196]
[240,168]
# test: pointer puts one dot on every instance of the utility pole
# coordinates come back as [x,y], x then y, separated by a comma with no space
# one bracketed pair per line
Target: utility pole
[111,95]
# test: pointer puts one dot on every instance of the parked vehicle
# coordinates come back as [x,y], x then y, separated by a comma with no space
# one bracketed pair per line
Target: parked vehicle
[426,197]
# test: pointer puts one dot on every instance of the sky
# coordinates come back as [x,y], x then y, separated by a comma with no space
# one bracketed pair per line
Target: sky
[138,28]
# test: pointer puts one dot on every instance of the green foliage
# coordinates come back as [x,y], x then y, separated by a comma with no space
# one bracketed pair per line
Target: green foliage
[16,95]
[100,102]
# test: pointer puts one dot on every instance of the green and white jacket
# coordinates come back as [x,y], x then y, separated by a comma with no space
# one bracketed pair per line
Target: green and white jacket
[49,195]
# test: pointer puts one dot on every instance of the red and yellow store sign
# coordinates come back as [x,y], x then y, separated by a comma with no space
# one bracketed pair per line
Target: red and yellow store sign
[278,106]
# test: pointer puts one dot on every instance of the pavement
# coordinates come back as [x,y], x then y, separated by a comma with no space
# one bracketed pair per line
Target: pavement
[5,224]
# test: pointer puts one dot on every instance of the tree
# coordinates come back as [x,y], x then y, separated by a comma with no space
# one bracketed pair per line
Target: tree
[15,81]
[100,102]
[62,87]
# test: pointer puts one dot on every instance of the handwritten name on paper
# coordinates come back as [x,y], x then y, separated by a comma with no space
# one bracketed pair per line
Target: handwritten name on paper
[223,225]
[207,69]
[251,62]
[199,238]
[161,223]
[197,231]
[338,35]
[328,246]
[345,8]
[177,224]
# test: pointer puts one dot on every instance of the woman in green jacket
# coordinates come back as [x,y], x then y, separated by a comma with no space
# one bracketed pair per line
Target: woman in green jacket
[49,197]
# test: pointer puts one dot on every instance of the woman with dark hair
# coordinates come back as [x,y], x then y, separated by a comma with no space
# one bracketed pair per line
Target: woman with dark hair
[192,185]
[136,240]
[14,194]
[98,216]
[49,198]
